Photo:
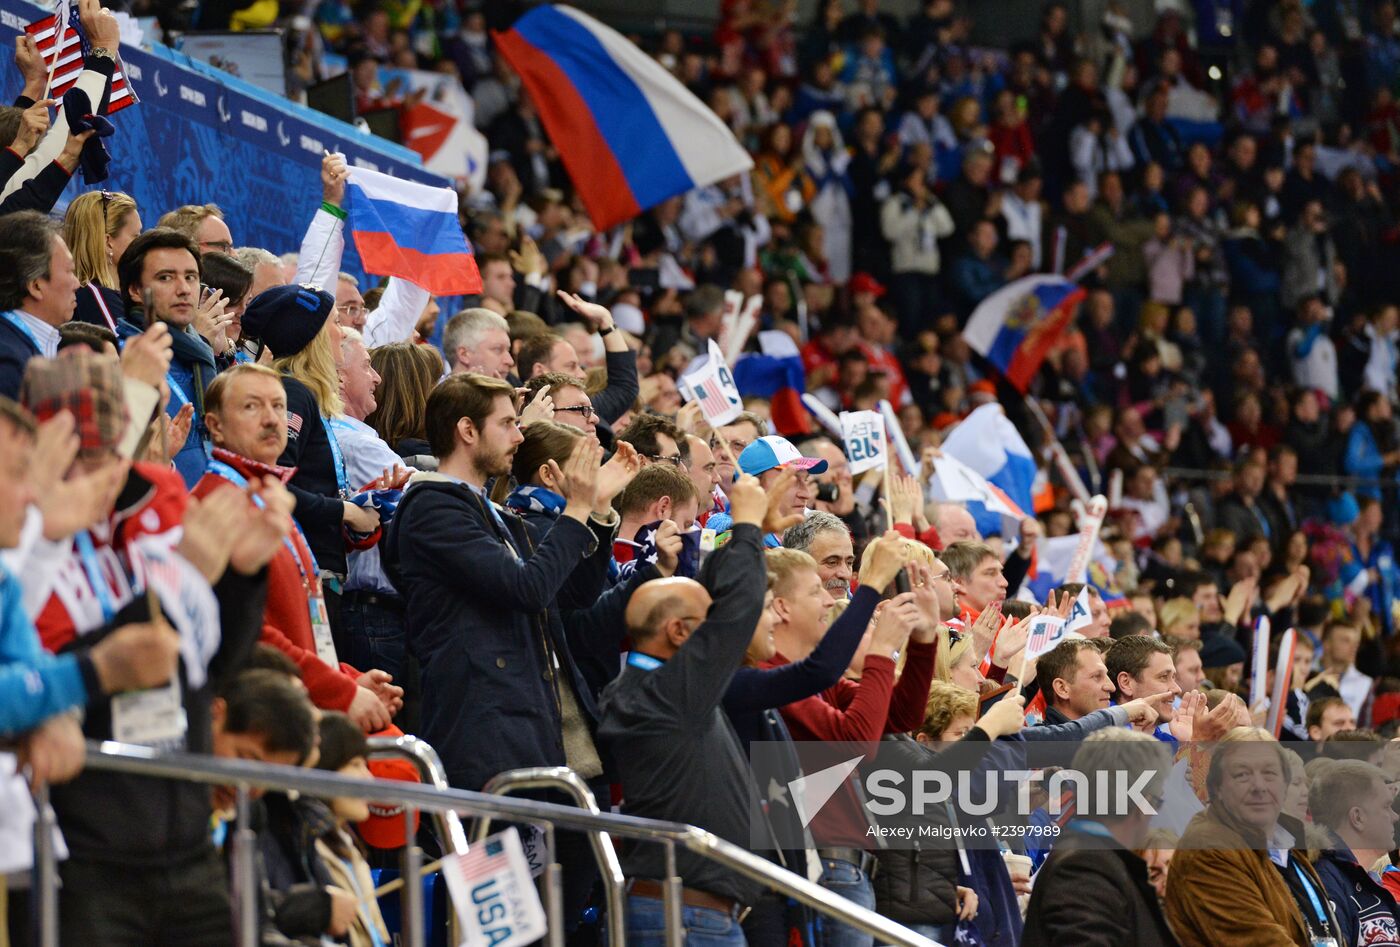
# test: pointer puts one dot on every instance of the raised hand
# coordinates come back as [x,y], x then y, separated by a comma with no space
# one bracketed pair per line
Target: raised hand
[896,623]
[578,479]
[30,65]
[616,474]
[747,501]
[540,408]
[33,125]
[211,525]
[1005,717]
[775,520]
[1011,641]
[528,259]
[334,174]
[1182,725]
[904,499]
[73,149]
[1144,712]
[212,321]
[668,548]
[925,594]
[598,316]
[82,500]
[691,419]
[177,431]
[888,554]
[985,628]
[100,25]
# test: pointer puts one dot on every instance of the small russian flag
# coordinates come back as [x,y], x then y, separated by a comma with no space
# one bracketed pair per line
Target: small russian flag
[411,231]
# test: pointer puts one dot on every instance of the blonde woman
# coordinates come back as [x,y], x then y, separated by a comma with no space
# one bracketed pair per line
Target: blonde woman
[97,228]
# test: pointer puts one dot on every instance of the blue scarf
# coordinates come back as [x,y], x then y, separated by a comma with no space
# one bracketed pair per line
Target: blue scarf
[529,498]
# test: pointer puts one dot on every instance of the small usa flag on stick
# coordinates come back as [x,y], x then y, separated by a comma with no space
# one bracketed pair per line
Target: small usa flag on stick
[65,53]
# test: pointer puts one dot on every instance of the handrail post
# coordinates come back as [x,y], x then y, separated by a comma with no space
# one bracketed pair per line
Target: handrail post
[553,889]
[45,895]
[674,894]
[411,901]
[245,893]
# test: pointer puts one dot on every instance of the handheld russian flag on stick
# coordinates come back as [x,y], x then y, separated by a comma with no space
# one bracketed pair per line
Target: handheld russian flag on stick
[411,231]
[629,133]
[1015,326]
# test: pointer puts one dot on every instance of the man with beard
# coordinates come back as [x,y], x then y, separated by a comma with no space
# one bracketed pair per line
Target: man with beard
[480,596]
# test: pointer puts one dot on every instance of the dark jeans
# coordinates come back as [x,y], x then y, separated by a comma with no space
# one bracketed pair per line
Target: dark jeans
[847,880]
[119,905]
[372,638]
[704,927]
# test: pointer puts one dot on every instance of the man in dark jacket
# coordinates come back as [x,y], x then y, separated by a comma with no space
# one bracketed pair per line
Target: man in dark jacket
[1093,889]
[36,293]
[663,721]
[1352,799]
[500,690]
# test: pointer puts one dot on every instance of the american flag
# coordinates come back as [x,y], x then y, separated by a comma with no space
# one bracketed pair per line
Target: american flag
[66,55]
[1046,632]
[482,859]
[711,397]
[293,423]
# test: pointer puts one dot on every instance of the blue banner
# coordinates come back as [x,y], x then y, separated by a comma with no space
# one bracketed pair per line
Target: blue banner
[202,136]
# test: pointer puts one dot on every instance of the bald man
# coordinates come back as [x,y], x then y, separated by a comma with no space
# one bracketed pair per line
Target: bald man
[662,722]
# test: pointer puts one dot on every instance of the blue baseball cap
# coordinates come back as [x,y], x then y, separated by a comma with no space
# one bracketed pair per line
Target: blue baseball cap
[772,451]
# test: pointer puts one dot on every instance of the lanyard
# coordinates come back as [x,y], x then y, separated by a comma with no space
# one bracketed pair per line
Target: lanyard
[102,305]
[366,916]
[1325,926]
[643,662]
[222,469]
[18,323]
[96,579]
[341,480]
[177,390]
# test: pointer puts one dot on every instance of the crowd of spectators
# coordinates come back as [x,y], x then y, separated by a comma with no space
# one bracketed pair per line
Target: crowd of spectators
[249,507]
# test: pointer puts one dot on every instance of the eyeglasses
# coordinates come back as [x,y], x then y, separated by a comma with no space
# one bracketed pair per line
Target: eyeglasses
[351,309]
[222,246]
[672,459]
[106,199]
[585,411]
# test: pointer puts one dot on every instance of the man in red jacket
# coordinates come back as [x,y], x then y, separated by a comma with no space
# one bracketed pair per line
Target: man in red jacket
[849,712]
[246,412]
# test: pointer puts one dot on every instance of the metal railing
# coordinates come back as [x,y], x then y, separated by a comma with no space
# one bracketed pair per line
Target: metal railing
[609,868]
[246,775]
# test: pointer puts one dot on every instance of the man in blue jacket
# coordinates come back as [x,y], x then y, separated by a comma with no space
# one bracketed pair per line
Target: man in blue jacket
[1353,800]
[37,287]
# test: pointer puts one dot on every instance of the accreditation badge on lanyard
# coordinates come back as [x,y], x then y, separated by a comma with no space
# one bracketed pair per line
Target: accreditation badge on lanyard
[321,629]
[154,717]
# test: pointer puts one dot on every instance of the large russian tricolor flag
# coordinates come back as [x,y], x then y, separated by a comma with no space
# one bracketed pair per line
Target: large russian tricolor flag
[629,133]
[1015,326]
[410,230]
